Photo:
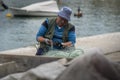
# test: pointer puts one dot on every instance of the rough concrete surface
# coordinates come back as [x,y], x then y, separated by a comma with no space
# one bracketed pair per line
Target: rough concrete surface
[108,43]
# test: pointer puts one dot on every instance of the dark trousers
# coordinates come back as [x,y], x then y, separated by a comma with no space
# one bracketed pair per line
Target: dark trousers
[39,51]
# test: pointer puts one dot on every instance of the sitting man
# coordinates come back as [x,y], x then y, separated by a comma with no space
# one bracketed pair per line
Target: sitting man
[56,33]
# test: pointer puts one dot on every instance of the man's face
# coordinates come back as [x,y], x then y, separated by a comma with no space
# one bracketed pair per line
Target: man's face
[61,21]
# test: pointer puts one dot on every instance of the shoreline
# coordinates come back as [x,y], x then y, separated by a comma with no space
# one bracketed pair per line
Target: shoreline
[108,43]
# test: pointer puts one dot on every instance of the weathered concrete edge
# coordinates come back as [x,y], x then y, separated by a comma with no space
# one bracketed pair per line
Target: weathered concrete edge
[108,43]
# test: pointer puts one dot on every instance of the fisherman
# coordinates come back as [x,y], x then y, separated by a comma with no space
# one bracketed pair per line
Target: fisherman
[3,5]
[56,33]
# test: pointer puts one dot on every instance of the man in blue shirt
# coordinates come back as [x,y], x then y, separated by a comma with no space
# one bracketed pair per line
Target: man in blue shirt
[56,32]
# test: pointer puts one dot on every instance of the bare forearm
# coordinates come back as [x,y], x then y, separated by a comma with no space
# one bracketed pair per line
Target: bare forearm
[67,44]
[45,40]
[41,39]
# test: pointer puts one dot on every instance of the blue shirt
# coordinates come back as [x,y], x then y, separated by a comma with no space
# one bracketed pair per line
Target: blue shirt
[58,33]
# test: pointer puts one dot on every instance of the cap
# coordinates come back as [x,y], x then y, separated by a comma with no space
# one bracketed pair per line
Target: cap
[65,12]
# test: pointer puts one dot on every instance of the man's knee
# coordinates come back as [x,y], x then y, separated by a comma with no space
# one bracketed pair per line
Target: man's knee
[39,51]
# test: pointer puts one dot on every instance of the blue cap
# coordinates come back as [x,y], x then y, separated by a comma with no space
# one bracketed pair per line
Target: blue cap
[65,12]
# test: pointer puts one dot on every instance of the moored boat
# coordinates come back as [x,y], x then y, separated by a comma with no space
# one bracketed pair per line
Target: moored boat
[46,8]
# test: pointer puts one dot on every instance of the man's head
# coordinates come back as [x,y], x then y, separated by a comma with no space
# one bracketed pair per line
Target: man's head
[64,16]
[65,13]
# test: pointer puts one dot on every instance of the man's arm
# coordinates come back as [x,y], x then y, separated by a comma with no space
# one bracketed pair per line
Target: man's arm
[71,38]
[41,33]
[67,44]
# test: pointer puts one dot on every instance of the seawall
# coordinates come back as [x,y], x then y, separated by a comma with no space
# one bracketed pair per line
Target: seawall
[108,43]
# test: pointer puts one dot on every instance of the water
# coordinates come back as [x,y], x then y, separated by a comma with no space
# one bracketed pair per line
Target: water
[99,17]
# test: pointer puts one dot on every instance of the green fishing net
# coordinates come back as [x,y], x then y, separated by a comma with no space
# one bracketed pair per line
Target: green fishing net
[71,53]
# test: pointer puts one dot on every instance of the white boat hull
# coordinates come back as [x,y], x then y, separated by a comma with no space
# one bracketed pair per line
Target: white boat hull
[32,13]
[46,8]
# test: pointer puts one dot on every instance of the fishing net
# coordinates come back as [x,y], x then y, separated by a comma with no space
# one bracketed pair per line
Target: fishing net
[71,53]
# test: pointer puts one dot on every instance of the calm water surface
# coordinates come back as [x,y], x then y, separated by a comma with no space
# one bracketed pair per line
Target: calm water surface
[99,17]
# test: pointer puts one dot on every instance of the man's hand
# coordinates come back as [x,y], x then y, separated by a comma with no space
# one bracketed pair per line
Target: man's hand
[67,44]
[63,45]
[47,41]
[58,44]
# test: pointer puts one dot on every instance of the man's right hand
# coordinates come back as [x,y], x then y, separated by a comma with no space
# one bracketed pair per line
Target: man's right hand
[59,45]
[47,41]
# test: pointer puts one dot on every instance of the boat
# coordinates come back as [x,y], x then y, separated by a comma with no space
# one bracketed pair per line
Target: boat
[45,8]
